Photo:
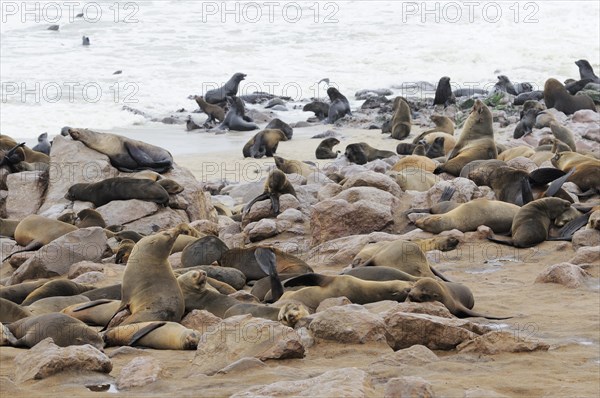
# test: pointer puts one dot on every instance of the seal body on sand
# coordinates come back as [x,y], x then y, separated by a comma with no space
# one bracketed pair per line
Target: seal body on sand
[276,185]
[43,144]
[150,291]
[476,141]
[443,93]
[63,329]
[236,118]
[118,188]
[556,96]
[214,112]
[361,153]
[229,89]
[401,120]
[264,143]
[325,149]
[495,214]
[158,335]
[339,106]
[124,153]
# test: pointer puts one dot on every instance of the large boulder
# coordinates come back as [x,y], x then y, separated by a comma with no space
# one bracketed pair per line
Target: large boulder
[568,275]
[139,372]
[348,324]
[119,212]
[25,193]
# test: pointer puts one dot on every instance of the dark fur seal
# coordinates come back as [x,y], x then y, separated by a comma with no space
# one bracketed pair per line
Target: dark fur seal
[204,251]
[320,109]
[339,106]
[264,143]
[276,185]
[236,118]
[586,71]
[556,96]
[281,125]
[245,261]
[43,145]
[230,89]
[125,154]
[528,96]
[469,92]
[118,188]
[361,153]
[401,120]
[526,124]
[504,84]
[325,149]
[443,93]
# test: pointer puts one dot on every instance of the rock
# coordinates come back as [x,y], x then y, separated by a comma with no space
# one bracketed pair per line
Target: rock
[292,215]
[119,212]
[522,163]
[586,255]
[332,302]
[201,320]
[244,336]
[568,275]
[341,251]
[163,219]
[56,258]
[175,260]
[261,230]
[90,278]
[328,191]
[375,180]
[3,197]
[408,386]
[352,169]
[125,351]
[379,165]
[25,193]
[82,267]
[430,308]
[46,359]
[242,364]
[198,205]
[71,162]
[586,237]
[436,333]
[496,342]
[140,371]
[206,227]
[417,355]
[348,324]
[244,193]
[262,209]
[345,382]
[480,393]
[585,116]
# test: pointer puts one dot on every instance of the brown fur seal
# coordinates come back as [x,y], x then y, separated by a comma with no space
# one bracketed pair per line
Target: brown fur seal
[476,141]
[443,124]
[288,313]
[198,295]
[11,312]
[63,329]
[118,188]
[150,291]
[401,120]
[90,218]
[294,166]
[203,251]
[358,291]
[564,134]
[93,313]
[361,153]
[123,251]
[532,222]
[124,153]
[408,180]
[276,185]
[17,293]
[57,287]
[427,289]
[556,96]
[587,169]
[264,143]
[8,227]
[415,164]
[48,305]
[157,335]
[521,150]
[325,149]
[29,155]
[245,261]
[468,216]
[448,142]
[214,112]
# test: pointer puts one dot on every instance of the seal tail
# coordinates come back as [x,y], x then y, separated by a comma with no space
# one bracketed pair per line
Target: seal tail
[35,245]
[268,263]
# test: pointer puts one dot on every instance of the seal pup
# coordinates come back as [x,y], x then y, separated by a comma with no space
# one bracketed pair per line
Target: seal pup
[281,125]
[294,166]
[319,108]
[43,145]
[124,153]
[236,118]
[229,89]
[325,149]
[157,335]
[89,218]
[443,93]
[214,112]
[198,296]
[339,107]
[586,71]
[526,124]
[276,185]
[504,84]
[401,120]
[563,134]
[150,291]
[361,153]
[118,188]
[556,96]
[264,143]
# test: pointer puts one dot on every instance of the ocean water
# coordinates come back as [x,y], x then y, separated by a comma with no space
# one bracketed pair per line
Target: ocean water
[168,50]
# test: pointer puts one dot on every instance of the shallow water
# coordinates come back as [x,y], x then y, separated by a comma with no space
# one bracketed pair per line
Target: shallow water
[168,50]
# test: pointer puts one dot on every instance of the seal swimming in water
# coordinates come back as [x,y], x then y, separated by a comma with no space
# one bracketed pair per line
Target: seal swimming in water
[124,153]
[339,107]
[229,89]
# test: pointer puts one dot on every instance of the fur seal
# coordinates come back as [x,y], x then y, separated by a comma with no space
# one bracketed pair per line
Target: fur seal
[428,289]
[229,89]
[443,93]
[281,125]
[532,221]
[401,120]
[63,329]
[198,296]
[17,293]
[264,143]
[504,84]
[468,216]
[236,118]
[8,227]
[415,164]
[43,145]
[157,335]
[587,169]
[536,95]
[294,166]
[556,96]
[358,291]
[118,188]
[586,71]
[320,109]
[57,287]
[564,134]
[123,251]
[214,112]
[288,314]
[245,261]
[361,153]
[437,148]
[11,312]
[325,149]
[276,185]
[89,218]
[29,155]
[526,124]
[124,153]
[93,313]
[204,251]
[36,231]
[339,106]
[476,141]
[150,291]
[48,305]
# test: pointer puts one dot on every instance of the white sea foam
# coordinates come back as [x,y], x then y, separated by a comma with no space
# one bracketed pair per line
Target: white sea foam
[170,49]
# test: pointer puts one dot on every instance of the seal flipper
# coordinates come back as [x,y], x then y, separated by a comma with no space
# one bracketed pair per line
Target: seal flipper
[464,312]
[497,239]
[32,246]
[439,274]
[144,331]
[447,194]
[91,304]
[145,161]
[262,196]
[526,194]
[545,175]
[567,231]
[123,307]
[310,279]
[557,184]
[267,261]
[274,202]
